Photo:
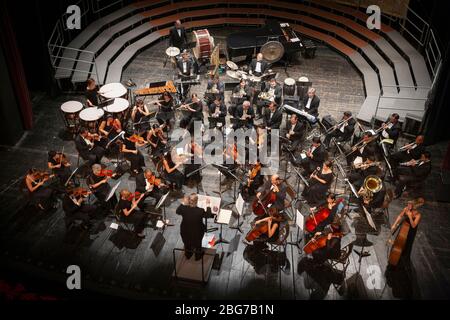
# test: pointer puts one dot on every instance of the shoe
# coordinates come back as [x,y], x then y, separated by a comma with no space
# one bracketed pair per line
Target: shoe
[141,235]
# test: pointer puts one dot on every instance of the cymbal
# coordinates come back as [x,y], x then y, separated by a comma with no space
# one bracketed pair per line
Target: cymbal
[233,66]
[272,51]
[172,51]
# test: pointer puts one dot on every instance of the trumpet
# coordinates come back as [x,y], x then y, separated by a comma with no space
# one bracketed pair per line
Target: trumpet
[408,146]
[364,166]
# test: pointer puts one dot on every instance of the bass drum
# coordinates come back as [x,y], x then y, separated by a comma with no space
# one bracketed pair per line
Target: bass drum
[204,44]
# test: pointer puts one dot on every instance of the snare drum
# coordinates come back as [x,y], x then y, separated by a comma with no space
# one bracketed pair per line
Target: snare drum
[70,111]
[113,90]
[90,118]
[289,87]
[204,44]
[119,109]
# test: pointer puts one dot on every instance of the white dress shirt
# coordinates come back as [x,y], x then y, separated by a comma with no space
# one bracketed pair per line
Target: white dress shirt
[308,104]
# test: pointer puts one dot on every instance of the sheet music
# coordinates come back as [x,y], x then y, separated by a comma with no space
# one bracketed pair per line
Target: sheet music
[303,155]
[369,218]
[300,220]
[180,151]
[208,240]
[240,204]
[358,161]
[114,226]
[224,216]
[214,203]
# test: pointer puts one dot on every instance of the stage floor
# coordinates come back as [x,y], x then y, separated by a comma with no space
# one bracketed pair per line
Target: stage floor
[114,263]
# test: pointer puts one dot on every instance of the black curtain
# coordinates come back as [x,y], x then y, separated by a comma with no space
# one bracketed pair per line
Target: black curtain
[436,125]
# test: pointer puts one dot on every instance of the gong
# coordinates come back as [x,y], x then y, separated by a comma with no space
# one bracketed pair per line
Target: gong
[272,51]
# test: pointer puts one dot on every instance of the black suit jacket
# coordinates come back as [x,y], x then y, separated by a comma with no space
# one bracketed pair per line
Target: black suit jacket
[192,227]
[278,92]
[264,66]
[421,172]
[275,122]
[349,129]
[190,66]
[299,130]
[250,112]
[280,196]
[417,152]
[176,40]
[314,107]
[246,89]
[140,183]
[82,147]
[394,132]
[223,110]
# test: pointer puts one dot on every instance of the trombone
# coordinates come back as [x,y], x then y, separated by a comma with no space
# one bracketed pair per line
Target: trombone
[333,128]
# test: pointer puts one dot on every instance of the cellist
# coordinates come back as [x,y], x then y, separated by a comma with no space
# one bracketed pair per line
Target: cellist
[275,186]
[322,215]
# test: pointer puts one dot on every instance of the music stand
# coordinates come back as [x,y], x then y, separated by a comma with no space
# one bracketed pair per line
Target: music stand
[369,218]
[222,218]
[71,176]
[239,205]
[113,191]
[300,222]
[162,202]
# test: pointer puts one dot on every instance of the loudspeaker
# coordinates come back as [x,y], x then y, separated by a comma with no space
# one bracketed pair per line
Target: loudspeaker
[412,124]
[328,121]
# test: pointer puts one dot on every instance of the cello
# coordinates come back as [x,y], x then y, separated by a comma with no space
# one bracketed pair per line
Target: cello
[402,236]
[263,227]
[321,215]
[259,205]
[320,241]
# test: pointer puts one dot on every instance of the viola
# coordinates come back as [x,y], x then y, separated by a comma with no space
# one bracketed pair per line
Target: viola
[136,138]
[80,192]
[319,242]
[42,175]
[62,159]
[321,215]
[134,196]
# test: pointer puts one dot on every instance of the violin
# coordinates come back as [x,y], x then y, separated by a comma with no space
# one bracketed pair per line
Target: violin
[136,139]
[263,227]
[106,173]
[321,215]
[153,181]
[42,175]
[259,205]
[61,159]
[320,241]
[134,196]
[80,192]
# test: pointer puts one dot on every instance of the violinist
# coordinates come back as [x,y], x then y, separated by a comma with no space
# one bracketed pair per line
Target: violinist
[129,148]
[148,183]
[314,157]
[128,209]
[75,206]
[98,184]
[277,188]
[217,113]
[194,112]
[157,141]
[344,132]
[254,180]
[87,147]
[230,164]
[60,166]
[171,171]
[319,183]
[40,196]
[195,151]
[109,129]
[140,116]
[165,112]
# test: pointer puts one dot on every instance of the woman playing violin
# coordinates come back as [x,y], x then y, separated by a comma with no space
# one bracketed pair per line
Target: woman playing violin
[40,195]
[108,130]
[171,172]
[130,147]
[128,209]
[98,183]
[75,206]
[58,163]
[140,116]
[157,141]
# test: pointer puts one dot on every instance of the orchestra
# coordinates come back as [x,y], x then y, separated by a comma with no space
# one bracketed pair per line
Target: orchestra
[165,167]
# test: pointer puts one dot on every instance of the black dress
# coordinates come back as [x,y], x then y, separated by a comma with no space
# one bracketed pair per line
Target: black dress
[165,113]
[75,212]
[92,96]
[316,192]
[176,177]
[137,217]
[63,173]
[137,160]
[406,253]
[41,196]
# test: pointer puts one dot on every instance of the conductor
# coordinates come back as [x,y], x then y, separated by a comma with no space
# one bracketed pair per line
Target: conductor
[192,228]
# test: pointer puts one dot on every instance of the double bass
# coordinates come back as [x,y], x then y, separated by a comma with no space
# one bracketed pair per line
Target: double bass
[400,241]
[318,217]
